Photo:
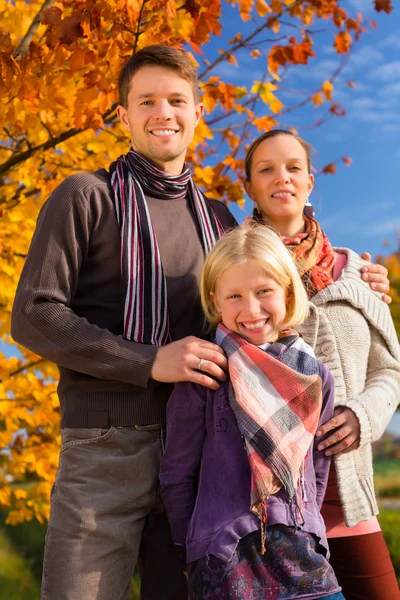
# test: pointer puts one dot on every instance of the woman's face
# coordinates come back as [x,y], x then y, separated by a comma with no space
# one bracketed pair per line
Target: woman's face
[280,182]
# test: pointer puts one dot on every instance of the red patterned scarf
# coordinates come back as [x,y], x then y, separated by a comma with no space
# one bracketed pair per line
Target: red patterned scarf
[314,256]
[276,395]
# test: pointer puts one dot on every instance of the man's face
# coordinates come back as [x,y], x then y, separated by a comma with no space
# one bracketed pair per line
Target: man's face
[161,116]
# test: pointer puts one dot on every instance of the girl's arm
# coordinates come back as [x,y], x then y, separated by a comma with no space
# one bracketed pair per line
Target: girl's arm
[362,419]
[186,428]
[322,462]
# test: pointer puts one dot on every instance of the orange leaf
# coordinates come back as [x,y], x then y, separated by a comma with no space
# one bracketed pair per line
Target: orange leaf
[351,84]
[329,169]
[77,59]
[342,42]
[347,160]
[52,16]
[256,54]
[262,8]
[373,24]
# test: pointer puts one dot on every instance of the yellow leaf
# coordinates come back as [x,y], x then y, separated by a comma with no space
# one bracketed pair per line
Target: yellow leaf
[262,8]
[317,99]
[327,88]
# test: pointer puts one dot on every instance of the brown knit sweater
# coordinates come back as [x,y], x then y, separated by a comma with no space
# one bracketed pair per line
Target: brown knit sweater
[69,302]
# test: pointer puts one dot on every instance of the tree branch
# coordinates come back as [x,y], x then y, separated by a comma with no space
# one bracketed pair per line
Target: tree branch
[51,143]
[242,43]
[26,40]
[24,368]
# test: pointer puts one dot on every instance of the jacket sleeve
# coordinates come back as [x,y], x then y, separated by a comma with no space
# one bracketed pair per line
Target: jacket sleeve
[42,317]
[180,465]
[376,404]
[321,462]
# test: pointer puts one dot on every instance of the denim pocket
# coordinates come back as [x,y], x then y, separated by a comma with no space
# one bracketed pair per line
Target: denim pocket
[87,435]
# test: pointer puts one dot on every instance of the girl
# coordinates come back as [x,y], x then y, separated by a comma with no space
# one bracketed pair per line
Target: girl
[351,332]
[241,477]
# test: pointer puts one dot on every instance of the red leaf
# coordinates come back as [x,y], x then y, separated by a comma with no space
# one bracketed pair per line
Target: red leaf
[52,16]
[329,169]
[385,5]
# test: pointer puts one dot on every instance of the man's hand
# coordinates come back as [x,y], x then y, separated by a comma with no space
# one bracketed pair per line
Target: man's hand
[190,359]
[377,277]
[347,432]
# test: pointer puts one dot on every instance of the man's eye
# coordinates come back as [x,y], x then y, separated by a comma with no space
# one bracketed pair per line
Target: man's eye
[146,103]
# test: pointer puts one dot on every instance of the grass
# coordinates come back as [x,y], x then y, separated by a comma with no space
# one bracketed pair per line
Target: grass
[17,581]
[390,523]
[387,478]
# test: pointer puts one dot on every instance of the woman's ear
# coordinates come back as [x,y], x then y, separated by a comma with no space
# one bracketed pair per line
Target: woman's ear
[247,187]
[310,183]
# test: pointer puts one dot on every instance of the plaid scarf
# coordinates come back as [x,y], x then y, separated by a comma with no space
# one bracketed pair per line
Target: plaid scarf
[132,176]
[276,395]
[311,250]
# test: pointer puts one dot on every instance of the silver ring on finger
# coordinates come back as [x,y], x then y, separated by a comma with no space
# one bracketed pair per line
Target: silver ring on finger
[200,364]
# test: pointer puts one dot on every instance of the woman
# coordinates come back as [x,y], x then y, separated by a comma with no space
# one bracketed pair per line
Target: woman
[352,333]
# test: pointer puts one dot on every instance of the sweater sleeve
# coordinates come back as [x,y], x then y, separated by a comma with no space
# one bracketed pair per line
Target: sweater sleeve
[180,465]
[322,462]
[376,404]
[42,318]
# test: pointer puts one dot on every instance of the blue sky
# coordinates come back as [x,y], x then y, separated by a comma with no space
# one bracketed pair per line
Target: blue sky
[358,207]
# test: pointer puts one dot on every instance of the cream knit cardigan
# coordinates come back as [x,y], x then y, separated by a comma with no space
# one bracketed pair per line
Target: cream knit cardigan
[352,333]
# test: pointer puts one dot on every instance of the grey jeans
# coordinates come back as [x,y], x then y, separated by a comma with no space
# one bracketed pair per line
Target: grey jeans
[106,512]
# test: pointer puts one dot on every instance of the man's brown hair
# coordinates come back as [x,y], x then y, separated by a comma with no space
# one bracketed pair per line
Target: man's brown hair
[159,56]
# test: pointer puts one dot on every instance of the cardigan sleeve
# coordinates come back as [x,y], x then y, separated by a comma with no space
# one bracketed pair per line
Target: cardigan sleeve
[375,405]
[180,465]
[322,462]
[42,317]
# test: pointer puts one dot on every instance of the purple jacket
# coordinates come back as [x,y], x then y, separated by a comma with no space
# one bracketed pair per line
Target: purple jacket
[205,475]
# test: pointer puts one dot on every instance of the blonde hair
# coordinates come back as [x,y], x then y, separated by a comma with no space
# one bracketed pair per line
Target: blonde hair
[263,245]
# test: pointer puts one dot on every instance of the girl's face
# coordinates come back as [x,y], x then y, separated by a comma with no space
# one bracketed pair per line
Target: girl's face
[280,182]
[250,303]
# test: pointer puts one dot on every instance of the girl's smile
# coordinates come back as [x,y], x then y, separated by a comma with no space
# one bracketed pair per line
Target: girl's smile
[250,302]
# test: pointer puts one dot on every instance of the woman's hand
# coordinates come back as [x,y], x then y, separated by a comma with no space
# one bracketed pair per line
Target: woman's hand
[377,276]
[346,436]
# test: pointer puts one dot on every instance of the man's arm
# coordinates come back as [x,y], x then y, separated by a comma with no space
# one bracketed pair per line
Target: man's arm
[322,462]
[44,322]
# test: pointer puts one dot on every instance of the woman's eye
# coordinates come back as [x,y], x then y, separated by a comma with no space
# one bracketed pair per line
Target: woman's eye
[266,169]
[294,168]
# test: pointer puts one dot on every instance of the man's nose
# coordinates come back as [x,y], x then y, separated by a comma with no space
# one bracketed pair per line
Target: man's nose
[163,110]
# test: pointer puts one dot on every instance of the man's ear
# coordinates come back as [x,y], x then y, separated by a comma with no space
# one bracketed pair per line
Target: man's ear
[199,111]
[123,116]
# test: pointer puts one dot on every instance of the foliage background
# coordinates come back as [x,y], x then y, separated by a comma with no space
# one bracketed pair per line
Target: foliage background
[59,63]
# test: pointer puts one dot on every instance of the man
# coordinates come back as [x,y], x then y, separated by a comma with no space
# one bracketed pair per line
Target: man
[121,340]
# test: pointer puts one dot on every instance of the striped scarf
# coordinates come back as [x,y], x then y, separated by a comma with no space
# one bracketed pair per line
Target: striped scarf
[132,176]
[276,395]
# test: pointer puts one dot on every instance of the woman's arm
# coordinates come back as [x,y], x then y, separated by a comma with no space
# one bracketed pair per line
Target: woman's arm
[321,461]
[362,419]
[186,428]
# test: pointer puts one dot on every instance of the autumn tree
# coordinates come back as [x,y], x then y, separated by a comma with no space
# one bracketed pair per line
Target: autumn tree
[392,263]
[59,63]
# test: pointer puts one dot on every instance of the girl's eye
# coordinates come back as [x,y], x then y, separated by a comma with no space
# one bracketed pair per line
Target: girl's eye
[265,291]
